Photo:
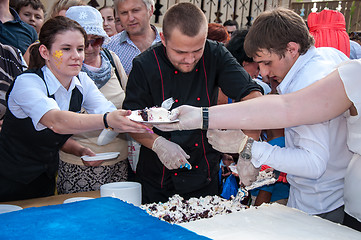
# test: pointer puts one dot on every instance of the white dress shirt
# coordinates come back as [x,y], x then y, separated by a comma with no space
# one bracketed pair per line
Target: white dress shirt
[29,96]
[350,74]
[316,156]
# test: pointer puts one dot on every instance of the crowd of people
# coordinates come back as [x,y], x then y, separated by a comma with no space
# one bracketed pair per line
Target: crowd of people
[280,91]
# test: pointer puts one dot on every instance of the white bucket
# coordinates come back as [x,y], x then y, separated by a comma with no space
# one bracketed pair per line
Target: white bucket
[130,192]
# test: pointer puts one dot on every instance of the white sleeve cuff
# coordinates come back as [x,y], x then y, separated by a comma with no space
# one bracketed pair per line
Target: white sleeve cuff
[260,153]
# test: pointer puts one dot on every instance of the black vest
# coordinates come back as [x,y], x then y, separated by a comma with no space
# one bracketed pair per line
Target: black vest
[26,153]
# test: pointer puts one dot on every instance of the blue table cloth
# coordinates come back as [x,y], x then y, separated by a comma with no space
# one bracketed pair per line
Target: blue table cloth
[101,218]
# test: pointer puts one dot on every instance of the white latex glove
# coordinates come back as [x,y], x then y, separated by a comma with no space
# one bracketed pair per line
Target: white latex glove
[189,118]
[227,141]
[246,171]
[170,154]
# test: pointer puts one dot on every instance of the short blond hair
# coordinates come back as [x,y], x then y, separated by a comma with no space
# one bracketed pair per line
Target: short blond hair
[148,3]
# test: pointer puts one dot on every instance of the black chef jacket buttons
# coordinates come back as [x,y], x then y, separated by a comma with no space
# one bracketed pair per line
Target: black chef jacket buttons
[175,72]
[198,99]
[176,100]
[196,144]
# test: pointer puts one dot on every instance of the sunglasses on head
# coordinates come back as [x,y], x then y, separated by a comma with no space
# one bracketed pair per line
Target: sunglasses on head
[95,42]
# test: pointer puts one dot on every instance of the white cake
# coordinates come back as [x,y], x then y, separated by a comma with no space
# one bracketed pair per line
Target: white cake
[217,218]
[178,210]
[158,114]
[270,222]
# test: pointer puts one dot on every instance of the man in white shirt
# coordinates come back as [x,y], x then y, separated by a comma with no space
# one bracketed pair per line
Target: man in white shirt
[316,156]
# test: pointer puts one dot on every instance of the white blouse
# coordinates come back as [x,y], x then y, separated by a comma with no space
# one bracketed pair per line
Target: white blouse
[350,74]
[29,96]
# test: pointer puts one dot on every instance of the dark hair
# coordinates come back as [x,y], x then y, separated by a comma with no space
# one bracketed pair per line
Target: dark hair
[355,36]
[12,3]
[231,23]
[48,32]
[104,7]
[236,46]
[273,30]
[36,4]
[186,17]
[217,32]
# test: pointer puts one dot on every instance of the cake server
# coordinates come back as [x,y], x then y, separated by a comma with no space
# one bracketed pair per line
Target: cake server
[241,194]
[264,178]
[167,104]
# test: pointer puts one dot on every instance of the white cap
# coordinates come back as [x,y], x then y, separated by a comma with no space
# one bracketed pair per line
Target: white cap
[89,18]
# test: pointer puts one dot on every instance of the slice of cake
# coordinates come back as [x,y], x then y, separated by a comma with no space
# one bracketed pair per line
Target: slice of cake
[154,114]
[158,114]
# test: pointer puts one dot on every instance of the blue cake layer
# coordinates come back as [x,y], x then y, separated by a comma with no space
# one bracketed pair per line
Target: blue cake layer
[101,218]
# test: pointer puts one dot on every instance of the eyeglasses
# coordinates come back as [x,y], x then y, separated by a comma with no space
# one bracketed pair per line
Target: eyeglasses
[95,42]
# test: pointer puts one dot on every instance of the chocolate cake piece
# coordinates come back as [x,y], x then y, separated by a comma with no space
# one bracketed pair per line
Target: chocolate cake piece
[144,114]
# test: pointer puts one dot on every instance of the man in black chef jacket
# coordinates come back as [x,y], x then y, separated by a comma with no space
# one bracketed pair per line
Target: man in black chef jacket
[190,69]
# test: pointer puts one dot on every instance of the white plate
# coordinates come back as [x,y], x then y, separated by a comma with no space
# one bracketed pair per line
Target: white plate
[4,208]
[101,156]
[155,122]
[77,199]
[106,136]
[137,118]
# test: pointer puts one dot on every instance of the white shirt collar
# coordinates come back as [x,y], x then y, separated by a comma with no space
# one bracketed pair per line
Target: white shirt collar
[300,62]
[54,85]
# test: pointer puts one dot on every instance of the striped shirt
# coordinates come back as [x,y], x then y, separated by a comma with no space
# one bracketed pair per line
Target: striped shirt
[126,49]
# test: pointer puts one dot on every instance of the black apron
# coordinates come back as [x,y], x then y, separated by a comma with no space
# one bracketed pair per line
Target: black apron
[25,153]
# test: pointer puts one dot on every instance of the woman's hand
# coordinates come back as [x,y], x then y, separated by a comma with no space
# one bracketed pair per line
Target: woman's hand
[88,152]
[121,123]
[73,147]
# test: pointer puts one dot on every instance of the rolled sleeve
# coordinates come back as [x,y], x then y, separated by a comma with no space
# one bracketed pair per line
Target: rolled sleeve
[29,99]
